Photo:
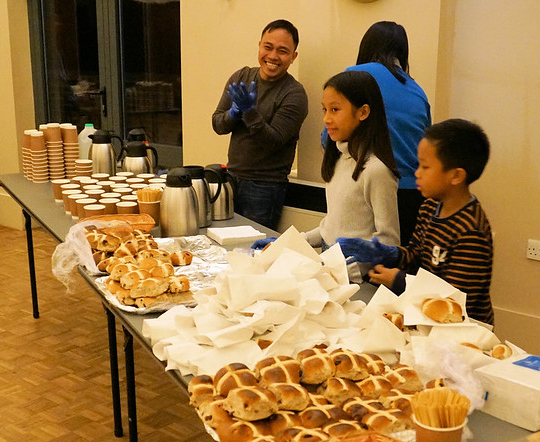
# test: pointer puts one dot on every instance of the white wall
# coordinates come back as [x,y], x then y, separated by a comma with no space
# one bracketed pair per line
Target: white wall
[495,81]
[220,36]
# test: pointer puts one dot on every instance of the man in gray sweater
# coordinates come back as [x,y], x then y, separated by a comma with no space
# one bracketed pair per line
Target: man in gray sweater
[263,109]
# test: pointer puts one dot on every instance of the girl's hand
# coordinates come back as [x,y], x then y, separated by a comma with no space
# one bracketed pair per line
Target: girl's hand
[382,275]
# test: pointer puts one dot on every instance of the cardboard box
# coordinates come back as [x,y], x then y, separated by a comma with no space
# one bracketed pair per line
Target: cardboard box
[513,390]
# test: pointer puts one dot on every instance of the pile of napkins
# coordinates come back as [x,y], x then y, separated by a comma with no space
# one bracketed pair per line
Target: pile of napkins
[287,297]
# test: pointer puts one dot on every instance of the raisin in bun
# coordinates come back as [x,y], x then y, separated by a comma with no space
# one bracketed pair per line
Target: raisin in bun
[128,280]
[436,383]
[121,269]
[251,403]
[443,310]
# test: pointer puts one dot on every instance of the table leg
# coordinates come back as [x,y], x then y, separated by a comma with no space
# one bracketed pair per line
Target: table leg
[130,385]
[31,264]
[115,382]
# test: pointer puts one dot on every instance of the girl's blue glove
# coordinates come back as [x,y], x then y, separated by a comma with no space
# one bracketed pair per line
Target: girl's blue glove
[373,252]
[262,243]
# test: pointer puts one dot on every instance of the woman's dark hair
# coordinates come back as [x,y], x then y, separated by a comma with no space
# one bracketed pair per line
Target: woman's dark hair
[460,144]
[283,24]
[371,135]
[385,42]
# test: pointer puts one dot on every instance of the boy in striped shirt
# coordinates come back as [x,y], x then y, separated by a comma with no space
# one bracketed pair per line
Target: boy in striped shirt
[452,238]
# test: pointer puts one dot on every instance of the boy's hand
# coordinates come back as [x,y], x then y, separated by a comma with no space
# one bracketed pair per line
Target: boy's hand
[382,275]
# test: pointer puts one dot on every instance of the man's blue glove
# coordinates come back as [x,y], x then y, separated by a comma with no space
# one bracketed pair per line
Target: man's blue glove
[372,252]
[234,112]
[262,243]
[243,98]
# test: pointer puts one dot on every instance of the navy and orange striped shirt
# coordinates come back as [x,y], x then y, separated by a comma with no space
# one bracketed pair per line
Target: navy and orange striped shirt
[458,249]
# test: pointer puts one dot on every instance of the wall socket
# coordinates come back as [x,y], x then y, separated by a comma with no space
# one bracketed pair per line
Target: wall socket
[533,249]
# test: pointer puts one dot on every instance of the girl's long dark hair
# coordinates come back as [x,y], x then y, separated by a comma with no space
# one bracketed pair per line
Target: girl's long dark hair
[385,42]
[371,135]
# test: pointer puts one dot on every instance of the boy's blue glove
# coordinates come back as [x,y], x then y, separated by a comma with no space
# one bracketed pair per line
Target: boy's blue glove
[262,243]
[372,252]
[234,112]
[243,98]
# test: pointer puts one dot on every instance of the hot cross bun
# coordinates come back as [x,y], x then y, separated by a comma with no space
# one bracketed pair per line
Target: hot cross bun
[316,415]
[316,365]
[278,369]
[405,378]
[349,364]
[290,396]
[250,403]
[387,421]
[233,376]
[357,407]
[338,390]
[375,365]
[374,386]
[200,389]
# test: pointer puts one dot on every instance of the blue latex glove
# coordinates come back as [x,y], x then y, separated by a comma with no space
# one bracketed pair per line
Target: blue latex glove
[262,243]
[243,98]
[373,252]
[234,112]
[324,138]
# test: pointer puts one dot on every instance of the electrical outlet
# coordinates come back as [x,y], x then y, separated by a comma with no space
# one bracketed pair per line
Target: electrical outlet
[533,249]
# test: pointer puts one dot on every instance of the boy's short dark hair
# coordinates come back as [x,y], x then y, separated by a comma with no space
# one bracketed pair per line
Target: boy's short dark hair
[283,24]
[460,144]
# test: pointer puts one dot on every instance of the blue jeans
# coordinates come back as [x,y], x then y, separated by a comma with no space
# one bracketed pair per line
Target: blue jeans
[260,201]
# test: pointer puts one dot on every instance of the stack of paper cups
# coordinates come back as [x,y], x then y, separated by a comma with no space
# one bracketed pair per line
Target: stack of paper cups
[40,168]
[71,148]
[55,151]
[83,167]
[27,154]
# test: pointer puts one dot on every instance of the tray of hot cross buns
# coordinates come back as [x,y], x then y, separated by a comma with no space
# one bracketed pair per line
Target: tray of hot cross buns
[142,274]
[317,396]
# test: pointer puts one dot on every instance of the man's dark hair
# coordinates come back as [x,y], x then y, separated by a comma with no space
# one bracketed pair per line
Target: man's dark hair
[460,144]
[283,24]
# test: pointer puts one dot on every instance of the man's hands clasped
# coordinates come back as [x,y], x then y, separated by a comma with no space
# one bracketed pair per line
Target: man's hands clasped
[243,99]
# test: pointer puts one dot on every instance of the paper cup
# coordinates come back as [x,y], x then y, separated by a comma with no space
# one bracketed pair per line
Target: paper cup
[127,174]
[151,208]
[65,194]
[111,195]
[84,202]
[73,204]
[127,207]
[110,205]
[57,190]
[146,176]
[94,209]
[129,197]
[434,434]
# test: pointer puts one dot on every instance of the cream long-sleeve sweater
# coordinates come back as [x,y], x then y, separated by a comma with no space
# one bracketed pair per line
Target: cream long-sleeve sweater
[359,209]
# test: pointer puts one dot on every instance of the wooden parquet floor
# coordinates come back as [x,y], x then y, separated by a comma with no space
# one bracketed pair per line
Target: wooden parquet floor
[54,371]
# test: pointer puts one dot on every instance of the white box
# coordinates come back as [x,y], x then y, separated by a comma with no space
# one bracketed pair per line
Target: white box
[233,235]
[513,390]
